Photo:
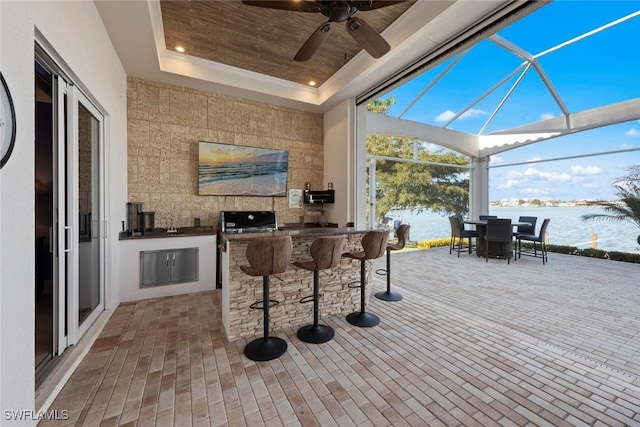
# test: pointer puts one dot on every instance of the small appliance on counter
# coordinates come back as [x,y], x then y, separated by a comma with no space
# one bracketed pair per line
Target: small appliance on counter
[139,222]
[147,222]
[134,209]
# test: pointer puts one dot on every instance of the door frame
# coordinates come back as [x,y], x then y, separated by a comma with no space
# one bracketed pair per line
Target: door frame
[67,96]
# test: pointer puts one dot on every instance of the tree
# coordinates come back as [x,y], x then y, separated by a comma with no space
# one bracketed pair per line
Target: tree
[402,184]
[627,208]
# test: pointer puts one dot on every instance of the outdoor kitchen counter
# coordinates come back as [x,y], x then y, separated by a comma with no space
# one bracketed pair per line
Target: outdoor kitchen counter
[240,290]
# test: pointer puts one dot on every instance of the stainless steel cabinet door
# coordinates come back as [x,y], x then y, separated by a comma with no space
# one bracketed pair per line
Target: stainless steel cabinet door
[155,268]
[165,267]
[184,265]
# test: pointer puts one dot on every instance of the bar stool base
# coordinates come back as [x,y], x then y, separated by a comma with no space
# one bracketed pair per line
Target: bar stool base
[388,296]
[316,334]
[262,349]
[363,320]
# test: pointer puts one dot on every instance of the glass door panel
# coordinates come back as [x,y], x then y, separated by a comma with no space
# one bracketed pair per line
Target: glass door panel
[45,221]
[89,214]
[88,297]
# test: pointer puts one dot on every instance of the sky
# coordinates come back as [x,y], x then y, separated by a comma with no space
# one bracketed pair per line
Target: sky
[597,70]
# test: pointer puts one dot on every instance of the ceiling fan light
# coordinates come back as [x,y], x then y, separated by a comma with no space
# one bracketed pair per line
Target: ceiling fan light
[340,12]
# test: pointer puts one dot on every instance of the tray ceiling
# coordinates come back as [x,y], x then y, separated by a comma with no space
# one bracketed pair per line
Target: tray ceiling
[247,52]
[264,40]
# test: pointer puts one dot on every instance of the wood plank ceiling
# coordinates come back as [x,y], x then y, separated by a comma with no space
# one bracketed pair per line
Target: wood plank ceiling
[264,40]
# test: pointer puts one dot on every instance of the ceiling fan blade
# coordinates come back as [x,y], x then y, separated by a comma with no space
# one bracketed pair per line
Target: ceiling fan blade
[367,37]
[313,43]
[292,5]
[372,4]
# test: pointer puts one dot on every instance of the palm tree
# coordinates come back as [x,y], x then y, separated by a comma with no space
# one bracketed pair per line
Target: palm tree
[627,208]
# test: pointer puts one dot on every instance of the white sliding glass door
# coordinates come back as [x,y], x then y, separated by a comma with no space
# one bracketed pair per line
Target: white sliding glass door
[70,214]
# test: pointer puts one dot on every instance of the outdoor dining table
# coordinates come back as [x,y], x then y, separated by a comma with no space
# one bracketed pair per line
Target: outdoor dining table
[481,228]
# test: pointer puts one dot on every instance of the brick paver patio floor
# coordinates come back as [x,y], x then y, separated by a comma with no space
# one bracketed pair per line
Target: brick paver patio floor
[471,343]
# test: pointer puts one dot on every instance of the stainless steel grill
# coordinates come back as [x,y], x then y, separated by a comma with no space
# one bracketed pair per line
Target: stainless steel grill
[248,221]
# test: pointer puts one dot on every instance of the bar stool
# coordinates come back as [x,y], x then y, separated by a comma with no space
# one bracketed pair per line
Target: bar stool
[267,256]
[326,253]
[403,236]
[374,245]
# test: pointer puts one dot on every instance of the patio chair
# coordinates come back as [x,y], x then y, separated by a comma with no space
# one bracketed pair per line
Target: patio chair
[458,231]
[403,236]
[326,252]
[486,217]
[525,229]
[499,240]
[267,256]
[374,245]
[540,238]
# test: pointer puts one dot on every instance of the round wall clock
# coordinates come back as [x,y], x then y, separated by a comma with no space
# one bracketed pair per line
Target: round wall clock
[7,123]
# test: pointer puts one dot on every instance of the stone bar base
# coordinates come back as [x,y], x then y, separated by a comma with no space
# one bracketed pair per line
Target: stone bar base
[240,290]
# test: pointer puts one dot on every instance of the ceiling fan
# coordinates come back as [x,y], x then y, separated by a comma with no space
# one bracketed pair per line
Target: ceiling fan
[336,11]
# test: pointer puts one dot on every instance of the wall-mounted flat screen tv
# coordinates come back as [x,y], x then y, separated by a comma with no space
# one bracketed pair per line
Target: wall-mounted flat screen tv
[234,170]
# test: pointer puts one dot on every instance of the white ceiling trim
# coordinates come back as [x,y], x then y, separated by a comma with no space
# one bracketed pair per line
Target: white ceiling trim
[190,66]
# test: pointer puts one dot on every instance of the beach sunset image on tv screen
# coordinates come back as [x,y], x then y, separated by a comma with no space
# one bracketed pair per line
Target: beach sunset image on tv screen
[233,170]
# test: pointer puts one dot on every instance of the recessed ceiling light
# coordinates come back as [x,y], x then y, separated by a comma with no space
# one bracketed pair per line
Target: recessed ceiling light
[312,83]
[180,49]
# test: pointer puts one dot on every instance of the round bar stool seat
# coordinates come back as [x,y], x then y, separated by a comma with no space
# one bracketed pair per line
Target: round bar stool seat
[403,236]
[374,245]
[267,256]
[325,253]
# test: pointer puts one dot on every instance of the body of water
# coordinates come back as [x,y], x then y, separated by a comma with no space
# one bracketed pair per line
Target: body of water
[565,228]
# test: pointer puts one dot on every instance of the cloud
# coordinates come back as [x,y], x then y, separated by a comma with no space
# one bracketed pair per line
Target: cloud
[447,115]
[511,183]
[496,159]
[473,113]
[548,176]
[632,132]
[546,116]
[534,159]
[532,191]
[513,174]
[588,170]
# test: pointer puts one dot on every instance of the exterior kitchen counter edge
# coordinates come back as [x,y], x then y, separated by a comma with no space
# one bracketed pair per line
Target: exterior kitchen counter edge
[161,233]
[240,290]
[295,232]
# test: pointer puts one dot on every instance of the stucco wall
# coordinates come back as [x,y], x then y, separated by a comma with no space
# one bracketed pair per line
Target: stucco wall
[339,154]
[75,31]
[165,124]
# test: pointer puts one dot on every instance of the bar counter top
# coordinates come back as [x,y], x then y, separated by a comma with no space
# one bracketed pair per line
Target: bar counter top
[295,231]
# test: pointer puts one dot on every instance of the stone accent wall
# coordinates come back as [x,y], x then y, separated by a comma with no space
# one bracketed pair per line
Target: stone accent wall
[337,297]
[166,122]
